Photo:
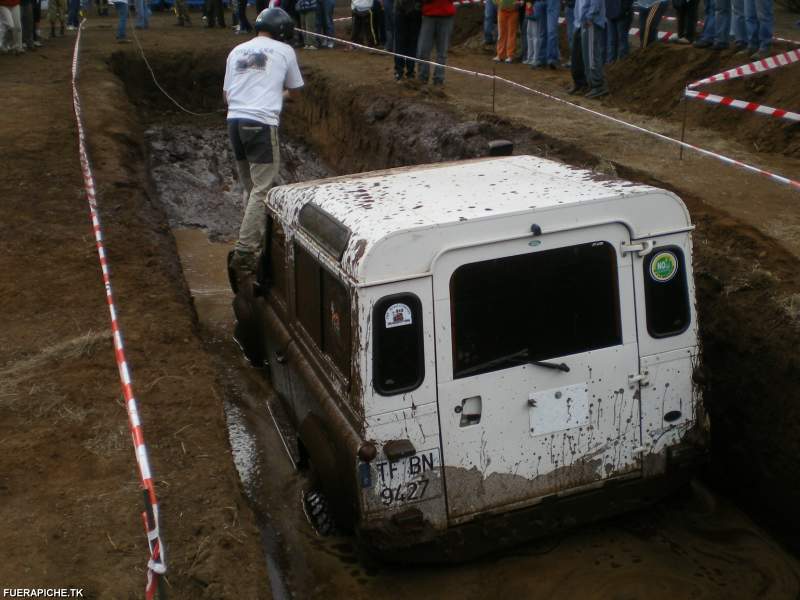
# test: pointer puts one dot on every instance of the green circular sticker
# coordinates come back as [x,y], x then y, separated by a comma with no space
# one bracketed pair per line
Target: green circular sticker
[663,266]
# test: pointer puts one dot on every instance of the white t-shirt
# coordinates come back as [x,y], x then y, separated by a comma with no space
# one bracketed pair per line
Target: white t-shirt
[255,76]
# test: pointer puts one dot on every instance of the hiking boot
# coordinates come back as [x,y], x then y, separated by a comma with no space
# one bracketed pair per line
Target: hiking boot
[577,88]
[597,92]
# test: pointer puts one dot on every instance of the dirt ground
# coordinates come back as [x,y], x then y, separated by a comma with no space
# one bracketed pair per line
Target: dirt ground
[68,483]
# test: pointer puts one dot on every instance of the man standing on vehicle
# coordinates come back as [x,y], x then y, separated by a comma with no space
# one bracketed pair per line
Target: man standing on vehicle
[258,75]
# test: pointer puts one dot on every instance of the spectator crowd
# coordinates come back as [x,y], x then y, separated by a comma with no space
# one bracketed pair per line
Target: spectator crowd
[597,31]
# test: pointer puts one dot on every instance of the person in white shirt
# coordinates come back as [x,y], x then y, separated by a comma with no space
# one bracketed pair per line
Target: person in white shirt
[258,76]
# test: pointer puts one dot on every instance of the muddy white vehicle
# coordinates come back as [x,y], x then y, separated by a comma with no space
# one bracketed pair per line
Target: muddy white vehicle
[478,352]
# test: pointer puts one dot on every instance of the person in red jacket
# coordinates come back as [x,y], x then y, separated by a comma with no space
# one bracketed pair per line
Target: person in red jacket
[437,27]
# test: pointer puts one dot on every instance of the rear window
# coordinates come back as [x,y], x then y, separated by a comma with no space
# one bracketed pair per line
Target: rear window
[666,293]
[323,308]
[543,304]
[397,355]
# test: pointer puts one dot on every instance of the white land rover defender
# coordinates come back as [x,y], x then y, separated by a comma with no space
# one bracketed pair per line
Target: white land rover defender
[478,352]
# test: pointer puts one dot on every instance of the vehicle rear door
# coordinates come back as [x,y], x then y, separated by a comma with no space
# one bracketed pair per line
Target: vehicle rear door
[512,431]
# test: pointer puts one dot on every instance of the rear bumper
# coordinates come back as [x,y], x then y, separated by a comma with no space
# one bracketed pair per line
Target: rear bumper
[414,541]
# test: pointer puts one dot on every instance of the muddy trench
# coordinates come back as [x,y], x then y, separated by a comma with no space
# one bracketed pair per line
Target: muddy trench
[747,287]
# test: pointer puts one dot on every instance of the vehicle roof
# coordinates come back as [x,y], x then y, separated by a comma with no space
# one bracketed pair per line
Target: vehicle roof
[422,210]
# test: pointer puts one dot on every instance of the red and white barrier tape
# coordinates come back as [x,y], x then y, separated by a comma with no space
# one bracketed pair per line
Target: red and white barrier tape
[749,106]
[754,68]
[156,564]
[720,157]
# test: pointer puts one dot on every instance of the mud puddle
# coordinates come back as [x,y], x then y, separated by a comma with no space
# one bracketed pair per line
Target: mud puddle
[692,545]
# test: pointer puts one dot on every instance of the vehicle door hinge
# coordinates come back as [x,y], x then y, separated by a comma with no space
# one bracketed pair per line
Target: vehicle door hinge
[641,248]
[640,378]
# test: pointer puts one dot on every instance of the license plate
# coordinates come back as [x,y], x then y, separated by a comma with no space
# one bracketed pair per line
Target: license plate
[409,479]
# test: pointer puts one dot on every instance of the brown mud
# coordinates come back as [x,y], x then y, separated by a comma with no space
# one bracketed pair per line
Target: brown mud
[68,484]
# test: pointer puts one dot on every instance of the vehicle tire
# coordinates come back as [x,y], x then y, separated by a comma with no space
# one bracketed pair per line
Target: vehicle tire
[316,508]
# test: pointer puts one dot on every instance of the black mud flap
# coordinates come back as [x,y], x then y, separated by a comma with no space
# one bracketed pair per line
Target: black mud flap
[247,330]
[232,274]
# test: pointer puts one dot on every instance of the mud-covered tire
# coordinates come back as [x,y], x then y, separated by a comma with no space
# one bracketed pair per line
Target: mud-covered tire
[319,515]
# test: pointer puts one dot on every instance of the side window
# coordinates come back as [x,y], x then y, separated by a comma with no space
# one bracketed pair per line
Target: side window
[307,296]
[277,258]
[397,357]
[335,321]
[323,308]
[666,293]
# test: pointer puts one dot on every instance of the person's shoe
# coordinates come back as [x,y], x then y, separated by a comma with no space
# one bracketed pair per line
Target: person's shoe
[71,28]
[683,41]
[62,29]
[438,82]
[52,31]
[597,92]
[509,60]
[311,47]
[398,77]
[719,47]
[703,44]
[37,44]
[760,55]
[739,46]
[497,59]
[553,66]
[577,88]
[123,41]
[567,65]
[746,51]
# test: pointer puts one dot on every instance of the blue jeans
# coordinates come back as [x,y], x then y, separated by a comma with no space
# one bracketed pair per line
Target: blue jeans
[540,14]
[710,22]
[593,41]
[553,9]
[724,19]
[388,20]
[523,35]
[72,12]
[325,19]
[759,23]
[617,43]
[489,23]
[434,31]
[122,13]
[142,14]
[569,15]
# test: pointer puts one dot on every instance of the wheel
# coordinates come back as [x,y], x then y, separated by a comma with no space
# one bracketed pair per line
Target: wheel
[316,508]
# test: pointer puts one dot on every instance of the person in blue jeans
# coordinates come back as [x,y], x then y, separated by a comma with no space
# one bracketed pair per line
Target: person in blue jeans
[142,14]
[759,24]
[489,23]
[727,11]
[73,8]
[569,16]
[619,14]
[706,39]
[325,21]
[122,23]
[587,57]
[553,55]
